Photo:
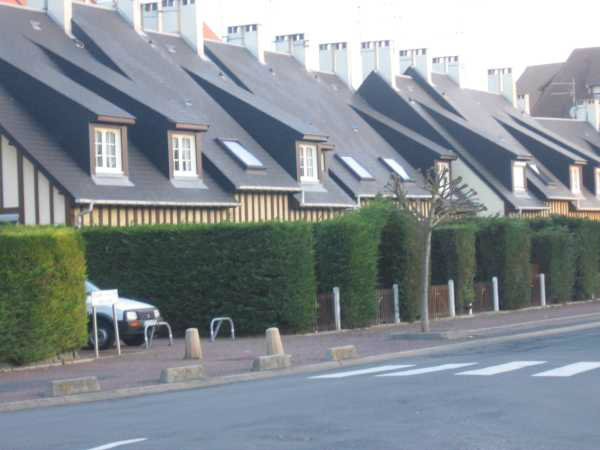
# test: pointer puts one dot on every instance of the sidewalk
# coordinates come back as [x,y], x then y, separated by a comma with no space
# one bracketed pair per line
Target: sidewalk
[138,367]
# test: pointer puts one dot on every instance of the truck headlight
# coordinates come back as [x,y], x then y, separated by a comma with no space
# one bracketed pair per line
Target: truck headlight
[156,313]
[130,316]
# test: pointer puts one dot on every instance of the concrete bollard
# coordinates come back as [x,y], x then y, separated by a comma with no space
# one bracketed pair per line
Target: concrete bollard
[342,353]
[73,386]
[337,310]
[182,374]
[274,344]
[272,362]
[451,300]
[396,303]
[543,289]
[193,348]
[495,294]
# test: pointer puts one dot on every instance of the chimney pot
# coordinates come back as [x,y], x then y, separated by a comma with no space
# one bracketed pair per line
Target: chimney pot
[250,37]
[418,59]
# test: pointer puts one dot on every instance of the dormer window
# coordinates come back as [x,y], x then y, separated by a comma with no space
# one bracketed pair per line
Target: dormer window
[308,163]
[443,170]
[184,156]
[108,150]
[575,172]
[519,176]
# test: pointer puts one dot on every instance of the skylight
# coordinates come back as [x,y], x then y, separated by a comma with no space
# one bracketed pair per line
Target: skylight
[397,168]
[355,167]
[243,155]
[542,175]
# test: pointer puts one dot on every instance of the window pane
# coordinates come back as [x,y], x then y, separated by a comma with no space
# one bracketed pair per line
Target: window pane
[397,168]
[519,178]
[355,167]
[247,158]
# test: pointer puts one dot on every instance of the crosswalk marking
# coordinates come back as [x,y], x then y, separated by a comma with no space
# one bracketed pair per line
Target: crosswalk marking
[502,368]
[441,368]
[362,372]
[569,370]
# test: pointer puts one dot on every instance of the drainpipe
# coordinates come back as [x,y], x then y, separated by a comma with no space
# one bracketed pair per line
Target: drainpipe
[83,213]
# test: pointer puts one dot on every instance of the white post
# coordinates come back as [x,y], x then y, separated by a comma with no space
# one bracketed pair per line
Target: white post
[451,301]
[543,289]
[337,309]
[116,323]
[496,296]
[95,321]
[396,303]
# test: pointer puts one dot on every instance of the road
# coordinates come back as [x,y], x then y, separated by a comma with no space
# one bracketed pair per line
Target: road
[539,393]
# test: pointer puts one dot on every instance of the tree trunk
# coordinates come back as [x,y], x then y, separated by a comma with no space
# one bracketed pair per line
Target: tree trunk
[425,282]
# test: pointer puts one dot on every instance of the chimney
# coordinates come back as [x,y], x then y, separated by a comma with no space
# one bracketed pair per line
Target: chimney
[448,65]
[131,11]
[338,58]
[524,104]
[191,25]
[249,36]
[501,81]
[380,56]
[418,59]
[589,111]
[61,11]
[295,45]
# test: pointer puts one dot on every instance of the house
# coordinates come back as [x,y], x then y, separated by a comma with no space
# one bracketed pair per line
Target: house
[554,90]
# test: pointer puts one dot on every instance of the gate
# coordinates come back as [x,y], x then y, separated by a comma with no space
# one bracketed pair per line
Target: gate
[439,302]
[483,298]
[326,315]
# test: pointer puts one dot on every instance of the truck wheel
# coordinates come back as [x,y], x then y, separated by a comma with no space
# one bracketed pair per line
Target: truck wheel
[106,335]
[134,341]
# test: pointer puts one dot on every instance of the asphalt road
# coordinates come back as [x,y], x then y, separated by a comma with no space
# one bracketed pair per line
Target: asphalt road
[529,394]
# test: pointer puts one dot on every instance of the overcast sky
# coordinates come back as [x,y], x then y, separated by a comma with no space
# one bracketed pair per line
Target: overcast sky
[486,34]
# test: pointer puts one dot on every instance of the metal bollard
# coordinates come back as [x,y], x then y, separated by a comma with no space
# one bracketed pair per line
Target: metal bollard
[396,303]
[496,296]
[337,309]
[543,289]
[116,324]
[451,300]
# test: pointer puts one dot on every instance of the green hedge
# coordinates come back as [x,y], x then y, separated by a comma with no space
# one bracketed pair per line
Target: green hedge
[586,238]
[553,251]
[346,251]
[401,255]
[261,275]
[453,257]
[503,250]
[42,294]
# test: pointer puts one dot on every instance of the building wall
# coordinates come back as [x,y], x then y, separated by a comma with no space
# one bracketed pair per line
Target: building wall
[26,191]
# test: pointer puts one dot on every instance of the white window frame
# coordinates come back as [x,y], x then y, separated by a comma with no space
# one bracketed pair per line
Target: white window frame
[183,167]
[442,166]
[597,180]
[102,159]
[308,153]
[519,166]
[575,176]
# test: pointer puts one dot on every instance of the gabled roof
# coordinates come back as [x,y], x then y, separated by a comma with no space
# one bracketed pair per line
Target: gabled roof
[579,132]
[535,79]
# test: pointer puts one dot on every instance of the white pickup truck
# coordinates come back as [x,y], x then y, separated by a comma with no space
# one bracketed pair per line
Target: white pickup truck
[132,316]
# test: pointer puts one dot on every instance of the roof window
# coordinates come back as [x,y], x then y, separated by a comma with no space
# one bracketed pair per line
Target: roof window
[243,155]
[397,168]
[355,167]
[35,25]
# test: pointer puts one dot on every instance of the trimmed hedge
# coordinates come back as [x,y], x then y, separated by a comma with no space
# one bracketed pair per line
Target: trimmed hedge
[503,250]
[42,294]
[261,275]
[554,251]
[401,255]
[346,251]
[453,257]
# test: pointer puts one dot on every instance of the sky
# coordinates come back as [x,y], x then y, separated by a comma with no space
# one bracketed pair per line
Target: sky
[485,34]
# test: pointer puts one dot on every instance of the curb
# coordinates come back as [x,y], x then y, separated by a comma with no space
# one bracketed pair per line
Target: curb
[255,376]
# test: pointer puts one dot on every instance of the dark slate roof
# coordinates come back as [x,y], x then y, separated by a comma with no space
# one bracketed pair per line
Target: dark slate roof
[579,132]
[18,49]
[321,100]
[583,66]
[150,186]
[535,79]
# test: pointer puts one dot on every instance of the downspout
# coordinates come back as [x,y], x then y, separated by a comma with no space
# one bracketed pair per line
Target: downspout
[83,213]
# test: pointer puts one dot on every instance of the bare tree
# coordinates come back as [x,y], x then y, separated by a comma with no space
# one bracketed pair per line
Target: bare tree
[450,199]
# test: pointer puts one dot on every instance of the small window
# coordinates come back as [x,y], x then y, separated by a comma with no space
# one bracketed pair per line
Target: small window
[307,157]
[541,174]
[519,181]
[184,155]
[397,168]
[107,150]
[443,170]
[575,179]
[243,155]
[597,178]
[355,167]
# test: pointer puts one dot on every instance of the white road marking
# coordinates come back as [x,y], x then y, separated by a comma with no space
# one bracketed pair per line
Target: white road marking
[118,444]
[570,370]
[441,368]
[502,368]
[353,373]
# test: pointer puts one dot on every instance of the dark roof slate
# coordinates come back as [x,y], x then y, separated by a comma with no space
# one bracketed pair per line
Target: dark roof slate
[535,79]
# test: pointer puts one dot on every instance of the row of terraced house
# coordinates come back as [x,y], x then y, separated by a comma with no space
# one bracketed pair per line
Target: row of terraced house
[136,113]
